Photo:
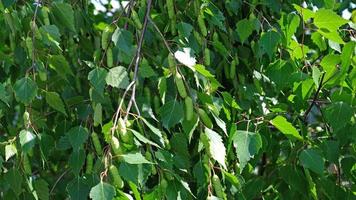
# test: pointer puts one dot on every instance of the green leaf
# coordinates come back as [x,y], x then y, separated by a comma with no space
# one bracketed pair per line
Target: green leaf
[216,146]
[289,24]
[184,30]
[10,150]
[42,190]
[286,128]
[157,134]
[304,12]
[247,145]
[269,42]
[60,65]
[117,77]
[146,70]
[97,78]
[201,69]
[27,140]
[50,35]
[77,136]
[14,180]
[319,41]
[327,19]
[276,72]
[25,90]
[190,126]
[78,189]
[143,139]
[171,113]
[338,115]
[135,158]
[64,14]
[76,160]
[312,160]
[54,100]
[244,28]
[329,64]
[4,95]
[123,39]
[233,179]
[102,191]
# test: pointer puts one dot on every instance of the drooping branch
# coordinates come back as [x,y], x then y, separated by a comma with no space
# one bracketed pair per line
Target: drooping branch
[137,60]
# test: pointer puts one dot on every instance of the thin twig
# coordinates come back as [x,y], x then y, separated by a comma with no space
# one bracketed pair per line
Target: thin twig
[315,96]
[160,33]
[130,4]
[110,41]
[138,55]
[120,105]
[59,178]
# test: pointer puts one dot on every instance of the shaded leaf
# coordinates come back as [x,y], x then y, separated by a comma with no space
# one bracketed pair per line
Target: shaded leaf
[25,90]
[97,78]
[171,113]
[102,191]
[77,136]
[247,145]
[312,160]
[54,100]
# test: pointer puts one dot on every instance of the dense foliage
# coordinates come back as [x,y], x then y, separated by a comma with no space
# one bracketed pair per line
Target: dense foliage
[177,99]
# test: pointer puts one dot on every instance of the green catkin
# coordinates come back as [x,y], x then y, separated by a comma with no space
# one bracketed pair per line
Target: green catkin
[136,19]
[206,57]
[201,25]
[109,58]
[188,108]
[96,143]
[180,85]
[205,118]
[89,163]
[218,187]
[114,173]
[105,37]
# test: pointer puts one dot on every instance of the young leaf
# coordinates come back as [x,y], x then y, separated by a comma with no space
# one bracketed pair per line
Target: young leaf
[27,140]
[135,158]
[286,128]
[216,146]
[117,77]
[10,150]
